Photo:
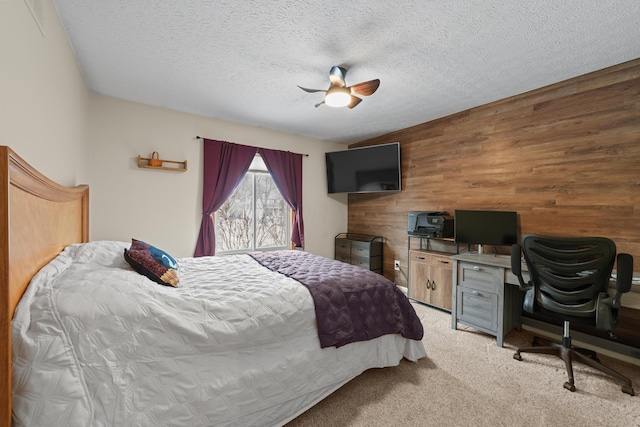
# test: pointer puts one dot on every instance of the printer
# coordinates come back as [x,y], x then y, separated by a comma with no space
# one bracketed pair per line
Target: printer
[430,224]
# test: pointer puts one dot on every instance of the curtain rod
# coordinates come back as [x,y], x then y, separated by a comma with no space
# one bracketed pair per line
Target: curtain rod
[305,155]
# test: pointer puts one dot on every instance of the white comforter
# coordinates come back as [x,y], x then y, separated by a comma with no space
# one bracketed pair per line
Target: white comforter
[97,344]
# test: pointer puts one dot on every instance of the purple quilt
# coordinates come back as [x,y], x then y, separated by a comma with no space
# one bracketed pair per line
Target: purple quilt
[352,304]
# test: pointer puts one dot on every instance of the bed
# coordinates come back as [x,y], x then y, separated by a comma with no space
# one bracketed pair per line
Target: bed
[237,342]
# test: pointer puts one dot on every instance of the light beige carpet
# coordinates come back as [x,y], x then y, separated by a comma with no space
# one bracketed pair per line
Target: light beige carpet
[466,380]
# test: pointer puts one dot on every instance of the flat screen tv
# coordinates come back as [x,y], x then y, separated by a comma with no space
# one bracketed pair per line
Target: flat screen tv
[375,168]
[497,228]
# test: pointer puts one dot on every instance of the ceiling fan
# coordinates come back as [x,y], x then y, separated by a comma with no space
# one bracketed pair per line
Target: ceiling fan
[341,95]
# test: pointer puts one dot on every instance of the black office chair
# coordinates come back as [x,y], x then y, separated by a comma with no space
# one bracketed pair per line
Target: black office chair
[569,280]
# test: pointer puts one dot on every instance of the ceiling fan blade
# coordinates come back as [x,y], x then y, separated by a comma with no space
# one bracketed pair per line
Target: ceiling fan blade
[354,101]
[336,75]
[365,88]
[319,103]
[311,90]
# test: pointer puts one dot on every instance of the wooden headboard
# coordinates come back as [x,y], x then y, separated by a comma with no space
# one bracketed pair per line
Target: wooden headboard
[38,219]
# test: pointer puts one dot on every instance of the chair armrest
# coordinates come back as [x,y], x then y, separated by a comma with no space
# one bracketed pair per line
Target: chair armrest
[516,267]
[624,277]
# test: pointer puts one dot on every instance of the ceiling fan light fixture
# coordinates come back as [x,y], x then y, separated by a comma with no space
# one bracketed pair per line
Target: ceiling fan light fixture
[341,95]
[338,97]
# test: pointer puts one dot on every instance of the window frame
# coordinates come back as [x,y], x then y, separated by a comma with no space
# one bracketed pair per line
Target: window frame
[258,167]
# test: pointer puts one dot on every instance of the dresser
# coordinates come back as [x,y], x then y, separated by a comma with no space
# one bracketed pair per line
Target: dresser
[362,250]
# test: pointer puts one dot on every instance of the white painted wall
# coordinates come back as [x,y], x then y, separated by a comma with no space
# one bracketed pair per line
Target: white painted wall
[164,207]
[48,117]
[43,97]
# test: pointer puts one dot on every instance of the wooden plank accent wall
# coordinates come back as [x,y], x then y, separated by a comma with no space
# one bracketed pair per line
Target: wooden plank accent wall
[566,157]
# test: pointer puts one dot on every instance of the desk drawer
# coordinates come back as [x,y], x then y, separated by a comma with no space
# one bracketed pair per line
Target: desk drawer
[443,261]
[479,277]
[435,259]
[420,256]
[478,308]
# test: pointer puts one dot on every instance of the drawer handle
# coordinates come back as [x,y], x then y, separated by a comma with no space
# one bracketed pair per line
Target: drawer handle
[476,268]
[443,262]
[420,257]
[433,285]
[428,284]
[476,293]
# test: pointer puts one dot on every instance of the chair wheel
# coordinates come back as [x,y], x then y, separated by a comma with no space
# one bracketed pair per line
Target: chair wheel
[569,386]
[517,356]
[628,390]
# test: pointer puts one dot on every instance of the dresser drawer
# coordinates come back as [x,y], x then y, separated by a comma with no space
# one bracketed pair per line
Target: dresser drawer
[343,257]
[361,262]
[343,245]
[360,249]
[343,250]
[477,308]
[480,277]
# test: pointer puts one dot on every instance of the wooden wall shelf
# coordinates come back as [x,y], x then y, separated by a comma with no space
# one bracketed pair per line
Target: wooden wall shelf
[143,162]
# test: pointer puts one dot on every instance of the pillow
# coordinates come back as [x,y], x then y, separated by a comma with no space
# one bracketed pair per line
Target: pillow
[152,262]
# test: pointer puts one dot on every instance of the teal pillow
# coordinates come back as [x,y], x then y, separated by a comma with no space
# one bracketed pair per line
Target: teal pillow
[152,262]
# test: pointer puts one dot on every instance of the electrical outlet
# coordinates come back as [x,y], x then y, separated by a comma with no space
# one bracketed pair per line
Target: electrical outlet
[396,265]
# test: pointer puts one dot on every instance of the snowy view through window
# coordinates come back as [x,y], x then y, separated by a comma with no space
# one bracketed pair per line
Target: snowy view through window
[255,217]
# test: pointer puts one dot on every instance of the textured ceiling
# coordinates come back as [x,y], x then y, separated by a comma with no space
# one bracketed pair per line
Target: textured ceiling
[241,60]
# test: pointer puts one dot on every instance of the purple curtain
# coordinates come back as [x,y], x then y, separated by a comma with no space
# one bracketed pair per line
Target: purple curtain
[225,164]
[286,171]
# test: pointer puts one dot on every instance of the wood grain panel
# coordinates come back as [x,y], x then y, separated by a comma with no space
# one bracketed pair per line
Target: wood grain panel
[566,157]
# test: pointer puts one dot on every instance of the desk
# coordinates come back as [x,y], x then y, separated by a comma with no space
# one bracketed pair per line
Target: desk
[485,296]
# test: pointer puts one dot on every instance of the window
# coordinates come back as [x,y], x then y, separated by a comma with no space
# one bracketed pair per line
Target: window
[255,217]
